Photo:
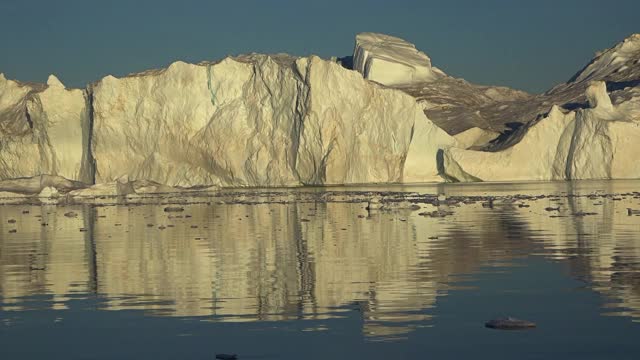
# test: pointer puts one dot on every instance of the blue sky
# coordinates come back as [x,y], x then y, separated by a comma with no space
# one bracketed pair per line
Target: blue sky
[529,45]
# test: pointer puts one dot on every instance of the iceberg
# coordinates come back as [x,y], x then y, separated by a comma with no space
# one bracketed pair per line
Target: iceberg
[260,120]
[278,120]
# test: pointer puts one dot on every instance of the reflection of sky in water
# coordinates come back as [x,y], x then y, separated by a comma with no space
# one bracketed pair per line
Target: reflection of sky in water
[317,260]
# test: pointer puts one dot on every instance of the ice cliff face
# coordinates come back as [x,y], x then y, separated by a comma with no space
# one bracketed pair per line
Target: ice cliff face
[260,120]
[45,130]
[225,124]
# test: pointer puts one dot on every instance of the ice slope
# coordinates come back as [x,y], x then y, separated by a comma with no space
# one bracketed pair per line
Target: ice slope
[618,67]
[590,132]
[541,155]
[44,130]
[390,60]
[457,105]
[598,142]
[260,120]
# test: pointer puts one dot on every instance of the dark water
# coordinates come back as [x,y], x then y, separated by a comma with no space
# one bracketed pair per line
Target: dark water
[311,274]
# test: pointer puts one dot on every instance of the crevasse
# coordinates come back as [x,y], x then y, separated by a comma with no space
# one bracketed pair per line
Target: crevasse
[212,90]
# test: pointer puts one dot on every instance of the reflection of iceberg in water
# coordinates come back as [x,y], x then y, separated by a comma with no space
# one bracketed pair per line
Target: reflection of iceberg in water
[277,262]
[41,259]
[308,260]
[597,237]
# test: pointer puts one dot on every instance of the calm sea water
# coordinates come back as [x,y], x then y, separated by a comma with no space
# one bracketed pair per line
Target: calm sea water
[311,274]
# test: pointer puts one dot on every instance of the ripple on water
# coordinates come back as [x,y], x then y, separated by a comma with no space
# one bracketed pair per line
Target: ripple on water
[285,255]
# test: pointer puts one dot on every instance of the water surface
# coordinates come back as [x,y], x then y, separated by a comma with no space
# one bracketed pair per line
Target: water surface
[310,273]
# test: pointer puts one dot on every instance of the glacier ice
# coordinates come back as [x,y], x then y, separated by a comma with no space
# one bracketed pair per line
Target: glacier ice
[280,120]
[273,121]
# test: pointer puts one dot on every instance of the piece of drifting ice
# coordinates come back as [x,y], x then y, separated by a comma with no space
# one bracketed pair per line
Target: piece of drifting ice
[226,356]
[509,323]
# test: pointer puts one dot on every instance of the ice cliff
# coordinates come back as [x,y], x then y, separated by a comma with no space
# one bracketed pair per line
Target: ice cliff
[260,120]
[253,120]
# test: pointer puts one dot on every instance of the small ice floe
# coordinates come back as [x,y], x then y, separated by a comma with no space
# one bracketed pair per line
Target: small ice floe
[226,356]
[509,323]
[374,204]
